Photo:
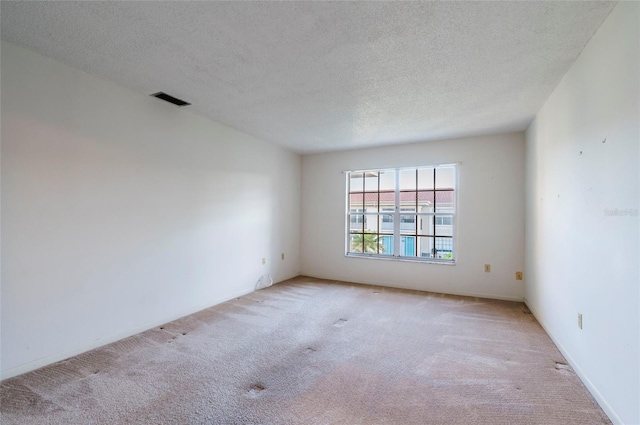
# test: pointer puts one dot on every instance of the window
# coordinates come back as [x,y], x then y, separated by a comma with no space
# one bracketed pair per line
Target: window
[406,213]
[356,217]
[444,221]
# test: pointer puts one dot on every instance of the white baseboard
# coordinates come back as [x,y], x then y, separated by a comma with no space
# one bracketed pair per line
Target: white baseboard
[608,410]
[47,360]
[458,293]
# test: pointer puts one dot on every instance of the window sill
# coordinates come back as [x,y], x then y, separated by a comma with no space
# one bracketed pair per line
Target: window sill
[403,259]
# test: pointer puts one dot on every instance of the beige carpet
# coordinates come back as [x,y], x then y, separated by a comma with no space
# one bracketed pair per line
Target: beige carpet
[314,352]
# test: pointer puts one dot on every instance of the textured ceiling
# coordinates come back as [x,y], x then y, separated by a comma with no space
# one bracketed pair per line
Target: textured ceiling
[318,76]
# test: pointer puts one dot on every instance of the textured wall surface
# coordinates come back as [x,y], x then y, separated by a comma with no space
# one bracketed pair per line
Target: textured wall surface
[120,211]
[490,216]
[583,202]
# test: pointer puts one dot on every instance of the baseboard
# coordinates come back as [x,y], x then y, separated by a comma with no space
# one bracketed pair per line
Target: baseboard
[458,293]
[608,410]
[54,358]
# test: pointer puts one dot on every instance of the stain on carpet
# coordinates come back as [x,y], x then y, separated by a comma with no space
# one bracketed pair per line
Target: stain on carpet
[340,323]
[256,389]
[563,367]
[18,398]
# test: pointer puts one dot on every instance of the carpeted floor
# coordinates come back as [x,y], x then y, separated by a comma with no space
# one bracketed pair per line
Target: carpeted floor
[308,351]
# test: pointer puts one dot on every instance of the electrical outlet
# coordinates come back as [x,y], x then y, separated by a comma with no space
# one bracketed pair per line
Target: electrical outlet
[487,268]
[282,256]
[264,261]
[580,320]
[518,275]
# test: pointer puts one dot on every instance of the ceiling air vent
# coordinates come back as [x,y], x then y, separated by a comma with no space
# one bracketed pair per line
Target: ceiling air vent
[170,99]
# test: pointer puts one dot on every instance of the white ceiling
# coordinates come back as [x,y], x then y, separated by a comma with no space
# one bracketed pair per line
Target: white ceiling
[319,76]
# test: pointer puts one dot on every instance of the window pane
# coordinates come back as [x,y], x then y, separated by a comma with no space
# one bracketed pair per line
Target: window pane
[355,243]
[425,225]
[408,201]
[386,223]
[387,181]
[386,245]
[371,182]
[408,246]
[371,201]
[356,220]
[371,223]
[355,183]
[425,178]
[445,201]
[444,178]
[365,243]
[387,200]
[425,201]
[444,225]
[444,248]
[356,201]
[408,224]
[425,247]
[408,180]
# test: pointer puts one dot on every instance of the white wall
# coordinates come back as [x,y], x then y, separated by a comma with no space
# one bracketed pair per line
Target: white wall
[490,217]
[121,212]
[581,255]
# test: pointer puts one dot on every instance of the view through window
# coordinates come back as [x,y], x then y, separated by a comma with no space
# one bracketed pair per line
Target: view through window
[406,213]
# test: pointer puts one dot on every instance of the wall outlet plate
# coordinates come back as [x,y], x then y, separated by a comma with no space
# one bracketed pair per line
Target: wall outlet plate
[518,275]
[487,268]
[580,320]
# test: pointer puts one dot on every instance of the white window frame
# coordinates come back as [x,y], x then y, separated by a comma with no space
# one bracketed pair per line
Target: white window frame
[397,233]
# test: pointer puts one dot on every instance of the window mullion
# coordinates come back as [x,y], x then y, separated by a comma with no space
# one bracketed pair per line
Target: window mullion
[364,208]
[396,216]
[415,227]
[348,243]
[378,224]
[434,250]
